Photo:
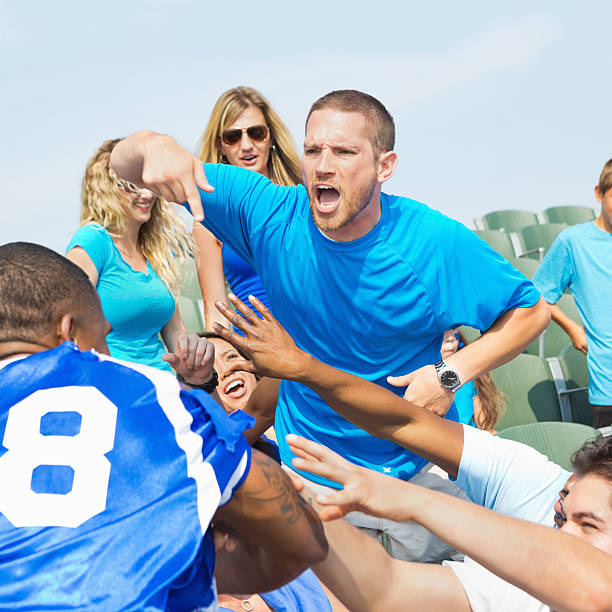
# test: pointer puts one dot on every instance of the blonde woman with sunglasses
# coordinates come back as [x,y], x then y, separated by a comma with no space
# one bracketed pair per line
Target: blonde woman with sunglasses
[245,131]
[128,244]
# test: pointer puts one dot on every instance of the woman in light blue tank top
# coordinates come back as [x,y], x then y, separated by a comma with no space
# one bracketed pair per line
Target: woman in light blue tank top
[244,131]
[127,244]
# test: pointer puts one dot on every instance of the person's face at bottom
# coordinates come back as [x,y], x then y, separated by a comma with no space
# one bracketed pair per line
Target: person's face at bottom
[235,388]
[587,511]
[339,168]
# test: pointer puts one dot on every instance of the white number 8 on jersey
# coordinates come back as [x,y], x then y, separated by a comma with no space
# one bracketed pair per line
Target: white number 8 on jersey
[83,452]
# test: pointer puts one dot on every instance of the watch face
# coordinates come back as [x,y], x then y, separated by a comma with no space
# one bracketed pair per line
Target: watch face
[449,379]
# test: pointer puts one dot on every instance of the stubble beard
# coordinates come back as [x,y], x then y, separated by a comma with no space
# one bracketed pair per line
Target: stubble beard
[351,207]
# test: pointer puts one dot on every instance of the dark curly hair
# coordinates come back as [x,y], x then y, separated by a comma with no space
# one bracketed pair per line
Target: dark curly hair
[594,458]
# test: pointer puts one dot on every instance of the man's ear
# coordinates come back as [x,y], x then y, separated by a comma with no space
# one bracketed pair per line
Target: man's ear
[598,194]
[385,168]
[66,329]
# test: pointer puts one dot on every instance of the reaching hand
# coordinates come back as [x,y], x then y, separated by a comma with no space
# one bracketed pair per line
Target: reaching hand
[193,358]
[424,390]
[266,344]
[363,490]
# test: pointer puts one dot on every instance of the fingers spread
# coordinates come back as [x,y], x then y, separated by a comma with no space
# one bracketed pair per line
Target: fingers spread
[241,307]
[263,311]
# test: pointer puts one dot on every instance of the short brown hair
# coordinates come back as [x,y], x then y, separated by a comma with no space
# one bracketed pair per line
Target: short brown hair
[605,178]
[594,458]
[379,122]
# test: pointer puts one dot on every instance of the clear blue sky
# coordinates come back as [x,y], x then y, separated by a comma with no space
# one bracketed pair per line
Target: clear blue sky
[497,105]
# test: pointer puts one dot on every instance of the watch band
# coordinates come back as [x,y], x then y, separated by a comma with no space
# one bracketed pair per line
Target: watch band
[209,386]
[448,378]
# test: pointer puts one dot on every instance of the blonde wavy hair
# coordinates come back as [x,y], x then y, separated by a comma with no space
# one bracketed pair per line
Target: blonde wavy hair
[162,239]
[283,164]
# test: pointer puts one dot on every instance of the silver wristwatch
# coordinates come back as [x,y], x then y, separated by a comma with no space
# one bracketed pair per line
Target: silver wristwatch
[448,378]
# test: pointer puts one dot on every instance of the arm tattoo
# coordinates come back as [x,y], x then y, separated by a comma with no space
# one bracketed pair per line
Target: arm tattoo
[277,489]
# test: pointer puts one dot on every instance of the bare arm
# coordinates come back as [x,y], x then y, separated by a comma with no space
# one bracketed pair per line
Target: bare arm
[157,162]
[210,274]
[262,406]
[278,534]
[503,341]
[79,256]
[525,554]
[369,406]
[574,330]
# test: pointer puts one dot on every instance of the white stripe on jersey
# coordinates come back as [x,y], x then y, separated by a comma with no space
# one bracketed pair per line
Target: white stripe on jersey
[208,494]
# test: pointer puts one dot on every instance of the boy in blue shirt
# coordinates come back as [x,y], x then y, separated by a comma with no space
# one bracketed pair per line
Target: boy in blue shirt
[581,258]
[363,280]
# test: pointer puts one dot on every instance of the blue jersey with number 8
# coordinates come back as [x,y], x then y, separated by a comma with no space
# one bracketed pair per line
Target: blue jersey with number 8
[109,477]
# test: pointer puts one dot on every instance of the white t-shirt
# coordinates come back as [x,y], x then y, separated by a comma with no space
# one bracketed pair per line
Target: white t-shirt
[513,479]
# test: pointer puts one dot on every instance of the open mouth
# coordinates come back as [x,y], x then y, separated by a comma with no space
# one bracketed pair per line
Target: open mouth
[327,198]
[143,205]
[235,388]
[249,159]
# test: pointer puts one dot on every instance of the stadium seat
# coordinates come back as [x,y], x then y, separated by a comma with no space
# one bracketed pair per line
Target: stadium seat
[569,214]
[498,241]
[536,239]
[191,313]
[469,333]
[530,391]
[508,220]
[554,339]
[525,265]
[574,366]
[558,441]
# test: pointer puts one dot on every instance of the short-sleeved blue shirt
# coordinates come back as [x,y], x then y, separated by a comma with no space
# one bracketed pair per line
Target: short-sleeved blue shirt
[581,258]
[374,307]
[137,305]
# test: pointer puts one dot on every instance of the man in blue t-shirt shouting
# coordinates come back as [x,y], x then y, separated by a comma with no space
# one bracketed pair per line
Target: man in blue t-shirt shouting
[364,281]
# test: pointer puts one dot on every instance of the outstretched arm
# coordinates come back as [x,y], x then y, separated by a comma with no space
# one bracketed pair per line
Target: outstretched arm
[367,405]
[525,554]
[157,162]
[278,535]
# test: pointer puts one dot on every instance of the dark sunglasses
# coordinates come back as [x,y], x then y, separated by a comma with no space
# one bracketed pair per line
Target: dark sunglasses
[258,133]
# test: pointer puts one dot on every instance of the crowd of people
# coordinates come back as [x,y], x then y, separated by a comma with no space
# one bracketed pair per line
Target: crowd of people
[328,442]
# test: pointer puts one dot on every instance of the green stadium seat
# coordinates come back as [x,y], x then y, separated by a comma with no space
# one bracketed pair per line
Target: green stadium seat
[557,441]
[569,214]
[191,313]
[536,239]
[530,391]
[525,265]
[498,241]
[509,220]
[574,366]
[554,339]
[469,333]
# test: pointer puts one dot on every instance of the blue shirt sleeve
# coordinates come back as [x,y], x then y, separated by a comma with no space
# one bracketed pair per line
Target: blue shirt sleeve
[242,205]
[95,241]
[469,282]
[555,272]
